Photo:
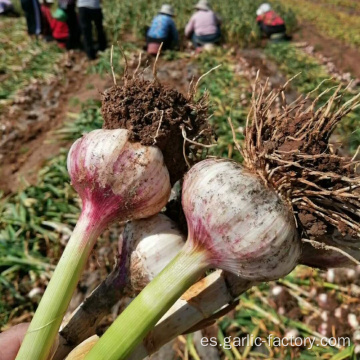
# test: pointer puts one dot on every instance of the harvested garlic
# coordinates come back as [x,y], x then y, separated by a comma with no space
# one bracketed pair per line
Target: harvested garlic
[117,180]
[235,223]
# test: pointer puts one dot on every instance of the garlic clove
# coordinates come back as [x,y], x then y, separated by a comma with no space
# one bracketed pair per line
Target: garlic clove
[151,243]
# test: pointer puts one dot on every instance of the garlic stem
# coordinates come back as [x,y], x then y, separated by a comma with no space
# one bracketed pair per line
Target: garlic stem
[207,299]
[200,302]
[145,247]
[91,311]
[47,319]
[150,305]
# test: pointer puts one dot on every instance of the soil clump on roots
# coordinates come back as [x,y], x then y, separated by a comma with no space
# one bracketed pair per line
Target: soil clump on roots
[157,115]
[289,148]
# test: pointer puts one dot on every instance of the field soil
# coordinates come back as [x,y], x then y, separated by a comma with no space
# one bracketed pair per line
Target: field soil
[39,109]
[345,57]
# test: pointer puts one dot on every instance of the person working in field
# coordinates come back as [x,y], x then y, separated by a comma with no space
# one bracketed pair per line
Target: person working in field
[7,8]
[69,7]
[31,9]
[270,23]
[54,26]
[90,13]
[162,30]
[204,26]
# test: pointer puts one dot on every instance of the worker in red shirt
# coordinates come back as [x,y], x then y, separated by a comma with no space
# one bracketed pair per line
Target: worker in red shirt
[51,27]
[270,22]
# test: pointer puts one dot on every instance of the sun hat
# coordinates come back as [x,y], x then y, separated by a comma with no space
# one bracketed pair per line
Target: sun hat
[167,9]
[202,5]
[263,8]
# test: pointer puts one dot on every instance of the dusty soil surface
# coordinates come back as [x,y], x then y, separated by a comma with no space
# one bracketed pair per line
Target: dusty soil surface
[27,139]
[257,60]
[175,74]
[344,56]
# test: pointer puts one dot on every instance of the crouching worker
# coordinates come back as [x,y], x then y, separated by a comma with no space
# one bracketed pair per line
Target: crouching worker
[162,30]
[270,23]
[7,8]
[204,26]
[54,25]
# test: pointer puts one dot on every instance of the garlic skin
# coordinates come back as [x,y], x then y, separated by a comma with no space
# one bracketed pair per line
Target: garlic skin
[243,226]
[117,179]
[151,244]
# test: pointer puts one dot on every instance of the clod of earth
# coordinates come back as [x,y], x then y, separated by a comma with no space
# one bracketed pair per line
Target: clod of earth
[157,115]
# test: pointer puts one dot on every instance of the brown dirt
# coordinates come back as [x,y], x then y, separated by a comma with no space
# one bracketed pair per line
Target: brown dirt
[37,111]
[344,56]
[257,60]
[176,74]
[155,115]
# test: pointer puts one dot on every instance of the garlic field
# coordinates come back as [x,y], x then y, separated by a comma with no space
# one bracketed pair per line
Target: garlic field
[256,178]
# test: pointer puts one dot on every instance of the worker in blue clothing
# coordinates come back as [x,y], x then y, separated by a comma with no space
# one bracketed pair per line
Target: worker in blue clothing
[162,30]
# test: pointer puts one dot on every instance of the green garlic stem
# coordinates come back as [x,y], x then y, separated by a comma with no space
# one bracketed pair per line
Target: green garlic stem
[45,324]
[130,328]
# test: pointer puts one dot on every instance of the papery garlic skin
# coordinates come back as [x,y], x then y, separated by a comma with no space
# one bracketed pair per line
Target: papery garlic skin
[243,226]
[118,179]
[151,244]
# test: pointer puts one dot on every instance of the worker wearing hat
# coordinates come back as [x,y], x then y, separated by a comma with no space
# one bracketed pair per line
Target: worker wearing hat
[162,30]
[204,26]
[270,23]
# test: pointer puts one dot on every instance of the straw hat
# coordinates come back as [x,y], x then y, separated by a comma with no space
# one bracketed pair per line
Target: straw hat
[263,8]
[202,5]
[167,9]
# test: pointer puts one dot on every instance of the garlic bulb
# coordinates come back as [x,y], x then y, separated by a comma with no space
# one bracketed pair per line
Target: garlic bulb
[243,226]
[151,243]
[118,179]
[235,223]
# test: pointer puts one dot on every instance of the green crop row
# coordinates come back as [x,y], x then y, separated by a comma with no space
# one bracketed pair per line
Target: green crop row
[293,61]
[23,59]
[347,5]
[330,22]
[227,93]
